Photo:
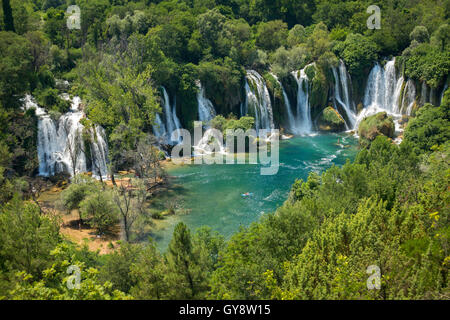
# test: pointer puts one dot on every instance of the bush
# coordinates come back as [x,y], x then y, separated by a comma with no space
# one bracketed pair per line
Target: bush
[375,125]
[358,53]
[100,210]
[430,128]
[49,99]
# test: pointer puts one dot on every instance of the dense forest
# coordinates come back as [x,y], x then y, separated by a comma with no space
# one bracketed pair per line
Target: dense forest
[389,207]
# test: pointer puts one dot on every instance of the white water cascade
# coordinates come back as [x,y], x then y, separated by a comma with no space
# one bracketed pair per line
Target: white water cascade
[341,86]
[211,143]
[409,97]
[303,123]
[384,93]
[61,146]
[443,92]
[206,111]
[163,129]
[287,104]
[159,128]
[258,102]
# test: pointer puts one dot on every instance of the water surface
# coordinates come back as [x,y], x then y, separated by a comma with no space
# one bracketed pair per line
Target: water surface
[212,194]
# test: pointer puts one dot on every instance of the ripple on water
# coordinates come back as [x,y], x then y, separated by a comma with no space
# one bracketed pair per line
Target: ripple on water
[214,191]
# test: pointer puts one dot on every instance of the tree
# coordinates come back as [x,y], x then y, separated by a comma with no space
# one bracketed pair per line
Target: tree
[53,282]
[40,49]
[419,34]
[441,37]
[15,68]
[8,16]
[26,237]
[271,35]
[81,187]
[358,53]
[129,198]
[185,277]
[430,128]
[100,211]
[118,267]
[147,163]
[319,42]
[210,25]
[149,273]
[296,35]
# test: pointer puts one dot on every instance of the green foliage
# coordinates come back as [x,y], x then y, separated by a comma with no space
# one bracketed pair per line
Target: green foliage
[8,16]
[388,208]
[430,128]
[222,124]
[15,68]
[271,35]
[331,120]
[53,284]
[420,34]
[117,267]
[358,54]
[26,237]
[375,125]
[425,63]
[49,98]
[148,275]
[81,187]
[100,211]
[222,82]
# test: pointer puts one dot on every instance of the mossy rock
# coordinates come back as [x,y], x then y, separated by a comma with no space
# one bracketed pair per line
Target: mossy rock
[331,121]
[375,125]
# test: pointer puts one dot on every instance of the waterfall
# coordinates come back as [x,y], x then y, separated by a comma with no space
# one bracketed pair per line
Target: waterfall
[443,92]
[210,144]
[170,123]
[163,129]
[176,121]
[159,129]
[61,145]
[409,97]
[287,104]
[396,96]
[341,85]
[384,93]
[258,101]
[206,111]
[383,88]
[303,124]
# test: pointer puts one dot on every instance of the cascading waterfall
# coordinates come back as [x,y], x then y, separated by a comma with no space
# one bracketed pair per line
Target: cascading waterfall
[164,129]
[303,124]
[291,117]
[176,121]
[170,123]
[384,93]
[206,111]
[61,145]
[258,101]
[341,85]
[159,129]
[409,97]
[383,88]
[443,92]
[210,144]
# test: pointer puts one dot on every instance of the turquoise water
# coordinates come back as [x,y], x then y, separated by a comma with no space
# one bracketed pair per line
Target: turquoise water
[212,194]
